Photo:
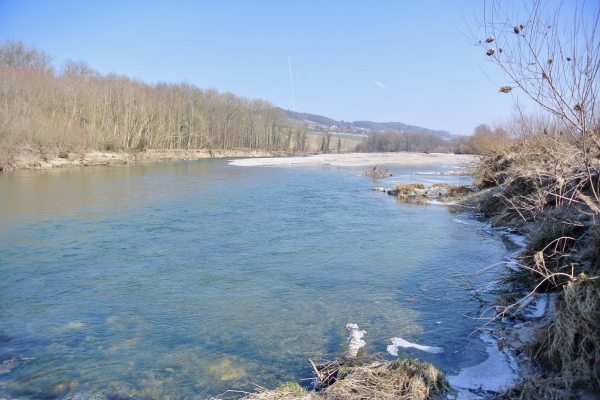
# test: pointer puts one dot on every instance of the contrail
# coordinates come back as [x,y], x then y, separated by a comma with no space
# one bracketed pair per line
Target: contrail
[292,84]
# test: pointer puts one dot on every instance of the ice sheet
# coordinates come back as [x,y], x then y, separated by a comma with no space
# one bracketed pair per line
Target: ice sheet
[399,342]
[491,375]
[538,308]
[355,341]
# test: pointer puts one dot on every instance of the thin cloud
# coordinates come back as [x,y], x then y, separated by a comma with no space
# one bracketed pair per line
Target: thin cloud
[381,85]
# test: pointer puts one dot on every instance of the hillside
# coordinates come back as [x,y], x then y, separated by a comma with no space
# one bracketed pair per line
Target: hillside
[320,121]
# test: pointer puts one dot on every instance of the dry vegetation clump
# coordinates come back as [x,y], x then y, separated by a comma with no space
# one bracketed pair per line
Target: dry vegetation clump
[285,391]
[568,349]
[459,191]
[534,388]
[402,379]
[419,193]
[406,189]
[548,188]
[571,345]
[376,173]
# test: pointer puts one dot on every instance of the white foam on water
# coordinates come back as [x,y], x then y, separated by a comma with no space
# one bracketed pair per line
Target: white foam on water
[399,342]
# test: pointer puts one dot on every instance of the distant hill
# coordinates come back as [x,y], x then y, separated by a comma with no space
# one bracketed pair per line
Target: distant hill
[359,126]
[319,119]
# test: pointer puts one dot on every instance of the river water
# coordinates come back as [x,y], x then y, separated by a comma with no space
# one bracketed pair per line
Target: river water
[186,279]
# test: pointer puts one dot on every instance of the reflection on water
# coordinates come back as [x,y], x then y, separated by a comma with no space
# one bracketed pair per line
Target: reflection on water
[187,279]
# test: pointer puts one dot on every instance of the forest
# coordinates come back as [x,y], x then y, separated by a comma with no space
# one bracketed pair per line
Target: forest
[76,108]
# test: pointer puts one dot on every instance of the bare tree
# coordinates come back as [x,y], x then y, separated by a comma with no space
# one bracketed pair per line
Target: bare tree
[13,53]
[553,56]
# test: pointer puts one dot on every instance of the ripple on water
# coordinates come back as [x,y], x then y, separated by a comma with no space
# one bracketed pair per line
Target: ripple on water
[187,279]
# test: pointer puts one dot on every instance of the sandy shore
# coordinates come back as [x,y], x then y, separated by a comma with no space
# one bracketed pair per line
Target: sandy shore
[359,159]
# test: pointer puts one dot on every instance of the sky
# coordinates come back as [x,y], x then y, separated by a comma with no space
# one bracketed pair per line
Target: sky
[383,61]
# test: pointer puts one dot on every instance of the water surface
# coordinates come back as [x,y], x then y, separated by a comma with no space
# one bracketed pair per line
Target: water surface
[190,278]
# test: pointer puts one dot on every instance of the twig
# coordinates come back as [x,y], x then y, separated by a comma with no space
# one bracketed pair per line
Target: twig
[316,370]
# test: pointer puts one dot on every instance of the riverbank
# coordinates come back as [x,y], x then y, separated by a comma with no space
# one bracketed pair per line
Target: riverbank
[541,331]
[28,158]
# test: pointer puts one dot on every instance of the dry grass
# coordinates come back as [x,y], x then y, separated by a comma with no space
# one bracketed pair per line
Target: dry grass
[535,388]
[568,349]
[571,344]
[459,191]
[442,185]
[402,379]
[549,189]
[405,189]
[549,186]
[286,391]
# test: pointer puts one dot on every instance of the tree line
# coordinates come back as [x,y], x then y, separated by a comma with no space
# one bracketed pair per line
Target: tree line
[394,141]
[75,106]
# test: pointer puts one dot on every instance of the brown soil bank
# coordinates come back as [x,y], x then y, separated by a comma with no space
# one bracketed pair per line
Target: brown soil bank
[28,158]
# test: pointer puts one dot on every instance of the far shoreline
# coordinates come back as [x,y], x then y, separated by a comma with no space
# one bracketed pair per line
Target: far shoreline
[26,158]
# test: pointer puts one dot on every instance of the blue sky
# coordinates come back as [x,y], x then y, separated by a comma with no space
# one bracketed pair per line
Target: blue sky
[400,61]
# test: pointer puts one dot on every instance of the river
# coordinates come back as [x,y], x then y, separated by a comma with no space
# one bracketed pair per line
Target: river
[186,279]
